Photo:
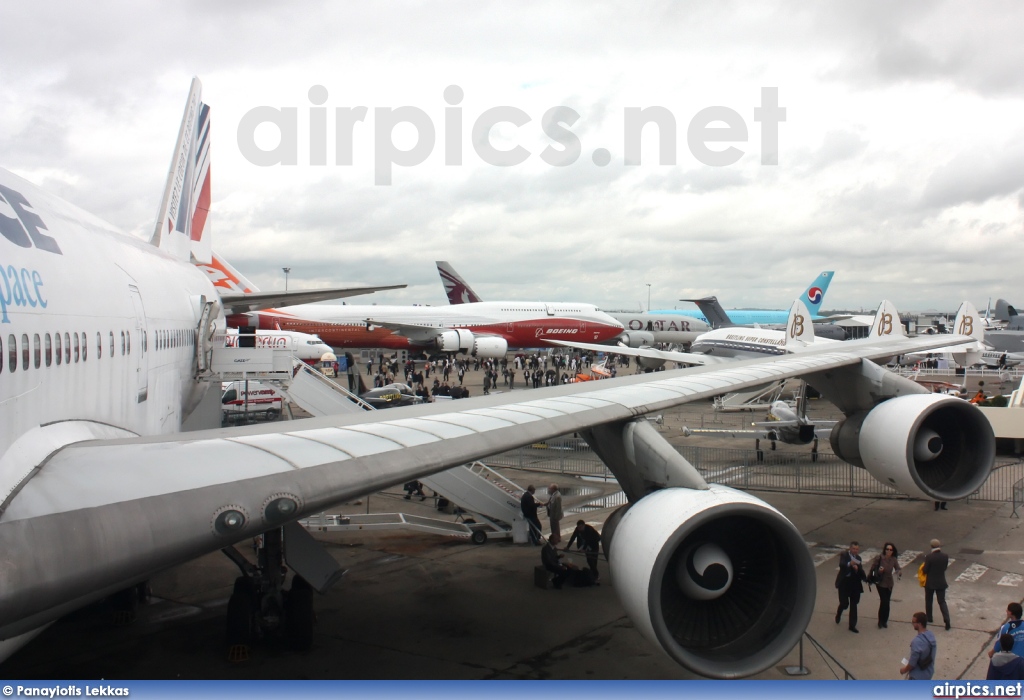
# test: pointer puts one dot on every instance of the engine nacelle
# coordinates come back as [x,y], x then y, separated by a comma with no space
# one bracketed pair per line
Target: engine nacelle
[457,340]
[720,581]
[926,445]
[489,346]
[636,339]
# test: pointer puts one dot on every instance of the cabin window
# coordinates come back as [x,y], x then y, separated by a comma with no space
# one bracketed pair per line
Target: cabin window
[128,341]
[111,343]
[77,347]
[12,353]
[85,347]
[67,348]
[99,345]
[37,351]
[24,351]
[48,349]
[57,347]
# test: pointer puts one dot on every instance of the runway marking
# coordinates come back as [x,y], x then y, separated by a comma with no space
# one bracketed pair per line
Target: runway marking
[907,557]
[1010,580]
[827,552]
[972,573]
[717,477]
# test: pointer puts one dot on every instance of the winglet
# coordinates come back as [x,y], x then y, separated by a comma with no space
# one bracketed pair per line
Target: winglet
[225,277]
[887,321]
[815,294]
[181,221]
[454,286]
[799,325]
[968,322]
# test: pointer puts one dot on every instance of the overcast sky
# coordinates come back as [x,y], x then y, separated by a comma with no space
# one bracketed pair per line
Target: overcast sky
[900,162]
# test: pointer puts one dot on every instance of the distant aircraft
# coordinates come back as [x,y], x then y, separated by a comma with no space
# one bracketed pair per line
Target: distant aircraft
[306,347]
[727,344]
[482,329]
[640,329]
[784,424]
[109,344]
[812,298]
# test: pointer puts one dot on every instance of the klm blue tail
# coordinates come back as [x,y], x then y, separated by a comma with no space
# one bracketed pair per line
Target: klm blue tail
[815,294]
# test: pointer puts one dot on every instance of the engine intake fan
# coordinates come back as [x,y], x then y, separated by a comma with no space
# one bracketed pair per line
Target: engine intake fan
[726,589]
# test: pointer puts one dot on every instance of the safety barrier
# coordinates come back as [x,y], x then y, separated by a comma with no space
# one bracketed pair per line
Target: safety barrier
[792,471]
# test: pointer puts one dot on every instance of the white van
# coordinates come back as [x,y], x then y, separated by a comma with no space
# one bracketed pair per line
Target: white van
[262,401]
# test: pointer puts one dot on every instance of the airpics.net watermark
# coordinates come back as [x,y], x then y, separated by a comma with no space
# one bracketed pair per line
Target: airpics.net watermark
[711,125]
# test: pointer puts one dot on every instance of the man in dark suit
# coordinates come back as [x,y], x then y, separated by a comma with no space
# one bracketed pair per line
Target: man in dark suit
[848,582]
[528,505]
[935,584]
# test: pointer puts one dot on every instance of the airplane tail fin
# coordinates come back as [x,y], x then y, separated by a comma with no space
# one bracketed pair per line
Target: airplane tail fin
[968,322]
[712,309]
[1004,310]
[182,227]
[815,294]
[799,326]
[225,277]
[454,286]
[887,321]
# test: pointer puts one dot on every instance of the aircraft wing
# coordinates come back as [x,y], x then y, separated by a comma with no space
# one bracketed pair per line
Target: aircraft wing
[687,358]
[419,333]
[102,514]
[236,303]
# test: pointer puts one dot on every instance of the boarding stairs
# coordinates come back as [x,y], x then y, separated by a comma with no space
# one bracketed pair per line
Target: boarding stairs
[759,397]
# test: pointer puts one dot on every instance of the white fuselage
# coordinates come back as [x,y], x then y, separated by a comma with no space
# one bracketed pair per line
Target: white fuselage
[95,326]
[306,347]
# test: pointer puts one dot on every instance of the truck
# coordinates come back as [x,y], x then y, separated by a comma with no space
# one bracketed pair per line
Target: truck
[258,401]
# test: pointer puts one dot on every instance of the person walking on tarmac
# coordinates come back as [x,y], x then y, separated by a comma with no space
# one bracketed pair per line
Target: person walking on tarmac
[848,582]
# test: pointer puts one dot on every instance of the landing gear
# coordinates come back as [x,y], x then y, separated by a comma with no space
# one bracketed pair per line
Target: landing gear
[260,607]
[814,450]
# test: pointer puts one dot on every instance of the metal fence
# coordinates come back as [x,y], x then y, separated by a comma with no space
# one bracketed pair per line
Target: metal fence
[764,470]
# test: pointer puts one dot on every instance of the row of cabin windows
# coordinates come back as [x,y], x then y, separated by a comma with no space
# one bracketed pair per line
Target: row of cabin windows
[73,347]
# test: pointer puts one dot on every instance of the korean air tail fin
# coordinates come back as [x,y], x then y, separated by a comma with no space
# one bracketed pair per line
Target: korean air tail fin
[458,291]
[799,326]
[815,294]
[182,226]
[887,321]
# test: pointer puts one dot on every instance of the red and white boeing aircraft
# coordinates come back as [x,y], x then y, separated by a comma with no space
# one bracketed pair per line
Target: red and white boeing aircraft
[106,340]
[485,329]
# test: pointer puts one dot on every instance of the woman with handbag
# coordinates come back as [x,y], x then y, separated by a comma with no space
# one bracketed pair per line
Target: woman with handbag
[881,572]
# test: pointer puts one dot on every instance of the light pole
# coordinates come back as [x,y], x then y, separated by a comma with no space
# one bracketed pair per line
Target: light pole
[648,297]
[288,269]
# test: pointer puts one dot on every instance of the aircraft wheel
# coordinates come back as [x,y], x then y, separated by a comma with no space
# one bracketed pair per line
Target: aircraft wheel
[299,616]
[241,610]
[273,414]
[478,537]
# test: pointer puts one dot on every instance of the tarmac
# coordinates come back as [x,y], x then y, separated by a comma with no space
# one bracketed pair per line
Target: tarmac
[419,606]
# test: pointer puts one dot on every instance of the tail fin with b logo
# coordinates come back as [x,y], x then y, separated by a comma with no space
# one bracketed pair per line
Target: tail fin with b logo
[968,322]
[887,322]
[799,326]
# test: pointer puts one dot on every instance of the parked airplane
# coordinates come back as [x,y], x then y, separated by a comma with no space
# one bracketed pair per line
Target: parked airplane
[306,347]
[641,329]
[719,318]
[783,424]
[484,329]
[812,298]
[727,344]
[99,491]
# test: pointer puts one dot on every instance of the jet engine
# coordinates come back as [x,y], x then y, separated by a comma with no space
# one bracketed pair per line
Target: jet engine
[717,579]
[926,445]
[489,346]
[457,340]
[636,339]
[464,341]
